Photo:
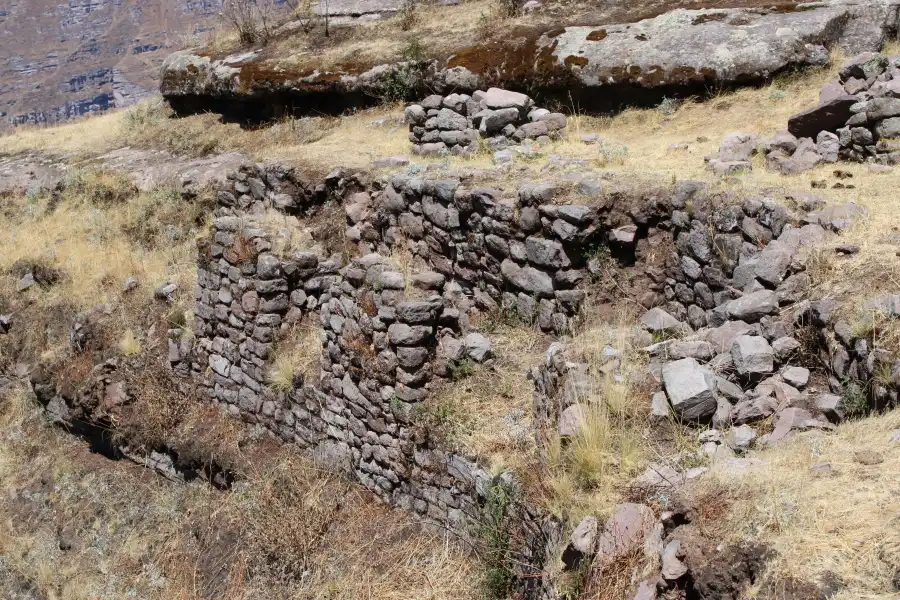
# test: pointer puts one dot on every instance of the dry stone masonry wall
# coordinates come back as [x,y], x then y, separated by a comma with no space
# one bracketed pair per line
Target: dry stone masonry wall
[724,324]
[456,123]
[525,253]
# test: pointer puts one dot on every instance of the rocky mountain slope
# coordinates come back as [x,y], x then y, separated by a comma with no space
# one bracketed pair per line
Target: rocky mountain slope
[64,59]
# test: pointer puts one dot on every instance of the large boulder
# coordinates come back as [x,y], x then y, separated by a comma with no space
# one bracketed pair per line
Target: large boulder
[690,388]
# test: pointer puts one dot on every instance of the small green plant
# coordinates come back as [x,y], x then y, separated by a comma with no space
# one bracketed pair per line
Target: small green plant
[503,316]
[495,541]
[668,106]
[883,375]
[856,398]
[461,370]
[404,80]
[610,153]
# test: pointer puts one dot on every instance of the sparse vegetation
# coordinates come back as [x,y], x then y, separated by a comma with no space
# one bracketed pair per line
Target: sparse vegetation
[91,518]
[296,358]
[583,472]
[495,541]
[251,19]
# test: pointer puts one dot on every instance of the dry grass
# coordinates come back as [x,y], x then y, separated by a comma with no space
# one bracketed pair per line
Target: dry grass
[845,523]
[487,411]
[297,355]
[586,474]
[127,532]
[98,233]
[84,137]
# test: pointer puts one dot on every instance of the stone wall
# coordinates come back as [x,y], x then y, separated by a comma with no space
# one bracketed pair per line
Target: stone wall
[527,253]
[732,314]
[392,334]
[455,123]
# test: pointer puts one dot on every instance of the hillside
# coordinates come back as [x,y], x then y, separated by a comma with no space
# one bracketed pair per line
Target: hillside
[63,60]
[469,343]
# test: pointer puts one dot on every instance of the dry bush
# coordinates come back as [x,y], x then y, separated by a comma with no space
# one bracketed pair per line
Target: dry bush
[251,19]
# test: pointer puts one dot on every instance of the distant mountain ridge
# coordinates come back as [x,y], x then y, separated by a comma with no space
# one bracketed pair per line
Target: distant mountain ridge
[65,58]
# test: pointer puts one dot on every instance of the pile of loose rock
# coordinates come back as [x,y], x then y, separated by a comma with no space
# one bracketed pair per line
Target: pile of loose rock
[857,119]
[454,123]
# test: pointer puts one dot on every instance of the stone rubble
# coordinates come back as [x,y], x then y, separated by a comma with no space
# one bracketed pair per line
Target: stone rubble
[857,120]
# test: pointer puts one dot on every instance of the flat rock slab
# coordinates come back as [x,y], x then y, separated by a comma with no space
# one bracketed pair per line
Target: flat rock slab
[686,46]
[826,117]
[682,48]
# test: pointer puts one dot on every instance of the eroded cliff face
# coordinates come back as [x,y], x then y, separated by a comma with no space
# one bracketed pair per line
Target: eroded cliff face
[64,59]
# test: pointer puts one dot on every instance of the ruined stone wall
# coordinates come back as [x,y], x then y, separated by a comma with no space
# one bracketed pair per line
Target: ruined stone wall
[392,334]
[528,253]
[380,351]
[735,309]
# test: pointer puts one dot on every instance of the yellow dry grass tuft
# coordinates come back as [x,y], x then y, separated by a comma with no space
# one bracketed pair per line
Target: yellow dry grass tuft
[845,522]
[585,474]
[297,354]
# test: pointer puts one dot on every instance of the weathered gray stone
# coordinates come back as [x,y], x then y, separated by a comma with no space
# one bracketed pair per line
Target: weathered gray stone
[623,532]
[753,409]
[752,307]
[738,146]
[689,388]
[528,278]
[785,347]
[478,348]
[772,264]
[571,420]
[402,334]
[752,355]
[825,117]
[546,253]
[831,406]
[796,376]
[656,320]
[739,438]
[582,543]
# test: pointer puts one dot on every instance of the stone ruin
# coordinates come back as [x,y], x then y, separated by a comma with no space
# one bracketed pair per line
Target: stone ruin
[455,123]
[857,119]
